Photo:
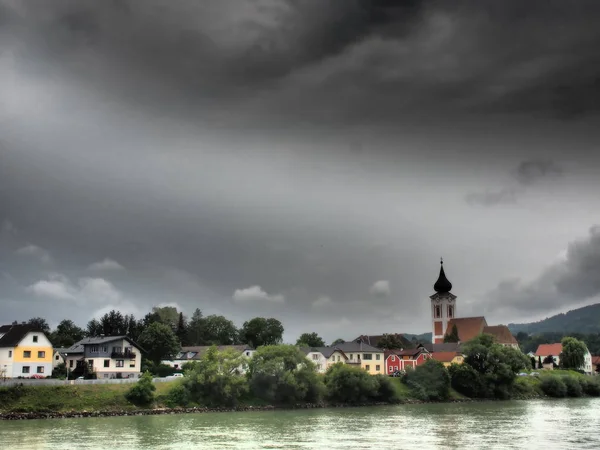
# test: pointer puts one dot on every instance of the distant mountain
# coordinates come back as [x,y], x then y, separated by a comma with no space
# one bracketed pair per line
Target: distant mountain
[424,338]
[582,320]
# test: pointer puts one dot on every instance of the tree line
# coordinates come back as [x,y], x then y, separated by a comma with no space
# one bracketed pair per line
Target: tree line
[530,343]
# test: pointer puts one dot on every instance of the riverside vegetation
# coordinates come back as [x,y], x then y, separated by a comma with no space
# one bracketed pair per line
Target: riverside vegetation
[282,376]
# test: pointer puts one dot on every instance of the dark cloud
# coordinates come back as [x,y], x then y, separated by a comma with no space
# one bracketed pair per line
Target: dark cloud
[530,172]
[492,198]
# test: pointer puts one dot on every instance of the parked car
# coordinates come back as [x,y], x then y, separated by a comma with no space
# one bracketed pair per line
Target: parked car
[176,375]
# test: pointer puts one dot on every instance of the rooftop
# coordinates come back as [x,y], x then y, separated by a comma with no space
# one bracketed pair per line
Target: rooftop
[442,284]
[357,347]
[13,334]
[325,351]
[444,356]
[549,349]
[468,327]
[501,333]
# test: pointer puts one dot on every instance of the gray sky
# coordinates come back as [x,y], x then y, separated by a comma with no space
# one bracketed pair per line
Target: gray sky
[309,161]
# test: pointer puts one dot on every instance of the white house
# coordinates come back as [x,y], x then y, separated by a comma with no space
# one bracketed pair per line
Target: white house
[195,353]
[323,357]
[25,352]
[554,350]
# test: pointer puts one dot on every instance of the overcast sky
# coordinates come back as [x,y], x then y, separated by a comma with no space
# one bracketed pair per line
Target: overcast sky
[305,160]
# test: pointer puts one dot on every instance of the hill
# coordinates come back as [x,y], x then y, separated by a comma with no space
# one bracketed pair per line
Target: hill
[582,320]
[424,338]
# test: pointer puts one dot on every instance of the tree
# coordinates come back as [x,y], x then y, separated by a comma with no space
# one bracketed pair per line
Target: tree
[348,384]
[195,329]
[215,380]
[133,327]
[390,342]
[540,365]
[533,363]
[142,393]
[66,334]
[281,374]
[218,330]
[260,331]
[113,324]
[310,340]
[453,336]
[338,341]
[573,353]
[159,342]
[429,381]
[94,328]
[181,330]
[40,324]
[168,315]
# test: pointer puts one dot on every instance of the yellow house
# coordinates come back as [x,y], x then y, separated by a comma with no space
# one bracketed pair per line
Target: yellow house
[365,356]
[448,358]
[24,352]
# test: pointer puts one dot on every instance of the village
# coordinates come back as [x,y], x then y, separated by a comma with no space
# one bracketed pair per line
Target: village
[27,353]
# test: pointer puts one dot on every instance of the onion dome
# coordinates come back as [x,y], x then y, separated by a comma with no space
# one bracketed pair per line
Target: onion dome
[442,284]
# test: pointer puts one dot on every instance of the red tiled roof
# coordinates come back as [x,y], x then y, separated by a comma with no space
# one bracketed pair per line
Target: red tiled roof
[595,360]
[468,327]
[501,333]
[444,356]
[549,349]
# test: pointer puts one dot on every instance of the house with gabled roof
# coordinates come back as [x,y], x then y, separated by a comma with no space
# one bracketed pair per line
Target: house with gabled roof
[324,357]
[444,317]
[105,356]
[25,352]
[400,360]
[365,356]
[195,353]
[554,350]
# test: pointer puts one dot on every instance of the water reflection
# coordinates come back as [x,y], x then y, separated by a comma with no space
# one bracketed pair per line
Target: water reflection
[535,424]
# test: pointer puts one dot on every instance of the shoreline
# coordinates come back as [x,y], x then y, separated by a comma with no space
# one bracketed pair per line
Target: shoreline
[200,410]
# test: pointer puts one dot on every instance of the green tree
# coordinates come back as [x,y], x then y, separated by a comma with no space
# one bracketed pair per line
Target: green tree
[453,336]
[66,334]
[159,342]
[168,315]
[310,340]
[347,384]
[142,392]
[93,328]
[429,381]
[113,324]
[215,380]
[40,324]
[60,371]
[260,331]
[218,330]
[466,380]
[182,330]
[573,353]
[338,341]
[390,342]
[195,329]
[281,374]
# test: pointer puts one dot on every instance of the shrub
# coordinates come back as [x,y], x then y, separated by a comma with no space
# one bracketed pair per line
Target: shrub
[553,386]
[573,387]
[178,396]
[430,381]
[466,380]
[347,384]
[142,393]
[591,387]
[385,390]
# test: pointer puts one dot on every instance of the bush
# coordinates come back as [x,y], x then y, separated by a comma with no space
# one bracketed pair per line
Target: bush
[142,393]
[385,390]
[573,387]
[553,386]
[591,387]
[178,396]
[348,384]
[466,381]
[429,381]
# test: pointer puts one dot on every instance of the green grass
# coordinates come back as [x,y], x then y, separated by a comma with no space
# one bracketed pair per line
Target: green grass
[99,397]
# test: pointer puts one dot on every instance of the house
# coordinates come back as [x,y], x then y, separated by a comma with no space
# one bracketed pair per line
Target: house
[444,318]
[369,358]
[554,350]
[195,353]
[57,357]
[596,364]
[25,351]
[106,356]
[374,340]
[399,360]
[324,357]
[448,358]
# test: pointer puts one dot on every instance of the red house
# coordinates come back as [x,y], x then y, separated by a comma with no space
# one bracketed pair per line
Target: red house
[396,360]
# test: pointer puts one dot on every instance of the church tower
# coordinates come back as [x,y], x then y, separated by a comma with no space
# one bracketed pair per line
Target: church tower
[443,306]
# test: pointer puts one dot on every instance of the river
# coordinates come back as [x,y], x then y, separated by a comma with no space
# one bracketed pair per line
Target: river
[536,424]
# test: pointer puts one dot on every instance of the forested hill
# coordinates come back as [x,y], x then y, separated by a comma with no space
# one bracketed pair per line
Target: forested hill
[582,320]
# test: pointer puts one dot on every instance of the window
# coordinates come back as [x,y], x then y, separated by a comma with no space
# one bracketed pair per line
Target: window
[41,354]
[132,364]
[107,363]
[120,363]
[25,369]
[351,355]
[91,363]
[71,363]
[117,350]
[368,356]
[391,368]
[450,311]
[10,353]
[315,357]
[57,357]
[105,348]
[367,367]
[40,369]
[393,358]
[93,349]
[338,358]
[35,338]
[26,354]
[106,375]
[377,356]
[438,311]
[378,368]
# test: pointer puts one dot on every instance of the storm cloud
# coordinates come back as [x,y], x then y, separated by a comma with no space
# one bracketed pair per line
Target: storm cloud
[309,161]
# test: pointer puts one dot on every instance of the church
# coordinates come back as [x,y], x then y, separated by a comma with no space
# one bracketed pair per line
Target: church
[444,317]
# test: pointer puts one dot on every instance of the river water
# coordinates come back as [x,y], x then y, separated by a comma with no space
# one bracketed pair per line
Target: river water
[537,424]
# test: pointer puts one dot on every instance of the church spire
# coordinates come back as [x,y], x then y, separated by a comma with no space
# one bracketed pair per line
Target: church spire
[442,284]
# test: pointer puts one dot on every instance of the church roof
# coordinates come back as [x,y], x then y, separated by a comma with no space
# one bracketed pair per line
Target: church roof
[468,327]
[501,333]
[442,284]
